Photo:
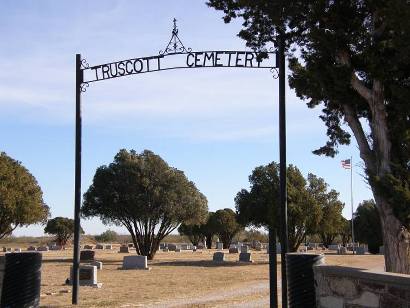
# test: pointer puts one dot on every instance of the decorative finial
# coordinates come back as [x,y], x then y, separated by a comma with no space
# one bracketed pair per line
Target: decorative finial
[175,45]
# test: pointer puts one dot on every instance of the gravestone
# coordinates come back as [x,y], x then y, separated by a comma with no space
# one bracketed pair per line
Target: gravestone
[177,249]
[108,247]
[42,248]
[219,246]
[88,246]
[17,250]
[99,246]
[193,248]
[184,246]
[258,246]
[172,247]
[130,245]
[98,264]
[333,247]
[360,250]
[135,262]
[124,249]
[245,257]
[244,249]
[87,255]
[165,250]
[233,250]
[381,250]
[218,257]
[200,246]
[31,248]
[342,251]
[56,247]
[87,276]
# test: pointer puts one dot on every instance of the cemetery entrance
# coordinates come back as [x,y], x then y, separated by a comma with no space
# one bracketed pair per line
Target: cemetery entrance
[177,56]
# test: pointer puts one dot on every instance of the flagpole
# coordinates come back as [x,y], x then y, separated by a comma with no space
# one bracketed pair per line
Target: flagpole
[351,199]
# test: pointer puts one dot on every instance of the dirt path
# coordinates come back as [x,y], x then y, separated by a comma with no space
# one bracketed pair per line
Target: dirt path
[251,294]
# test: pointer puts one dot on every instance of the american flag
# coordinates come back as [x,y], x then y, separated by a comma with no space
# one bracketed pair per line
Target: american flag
[346,164]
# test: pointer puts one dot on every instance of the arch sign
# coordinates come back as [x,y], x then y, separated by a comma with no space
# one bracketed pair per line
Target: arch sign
[174,56]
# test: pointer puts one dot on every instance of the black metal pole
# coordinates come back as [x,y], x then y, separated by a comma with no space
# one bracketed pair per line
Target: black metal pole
[282,158]
[273,278]
[77,189]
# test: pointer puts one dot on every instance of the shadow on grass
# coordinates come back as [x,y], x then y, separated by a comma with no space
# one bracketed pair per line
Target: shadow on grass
[205,263]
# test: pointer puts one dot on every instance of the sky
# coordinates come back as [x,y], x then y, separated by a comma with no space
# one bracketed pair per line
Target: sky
[215,125]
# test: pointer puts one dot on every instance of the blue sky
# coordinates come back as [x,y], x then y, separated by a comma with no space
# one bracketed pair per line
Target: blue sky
[216,125]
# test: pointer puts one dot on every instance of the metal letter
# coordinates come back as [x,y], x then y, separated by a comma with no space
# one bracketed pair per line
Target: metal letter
[187,59]
[249,59]
[238,59]
[218,58]
[121,69]
[211,57]
[197,60]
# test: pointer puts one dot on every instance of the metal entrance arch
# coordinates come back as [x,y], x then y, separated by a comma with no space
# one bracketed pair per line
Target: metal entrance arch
[177,56]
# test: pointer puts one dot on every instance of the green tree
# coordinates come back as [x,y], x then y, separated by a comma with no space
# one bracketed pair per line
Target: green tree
[62,228]
[353,59]
[145,195]
[209,229]
[259,206]
[194,233]
[346,231]
[331,222]
[107,236]
[225,225]
[367,227]
[21,198]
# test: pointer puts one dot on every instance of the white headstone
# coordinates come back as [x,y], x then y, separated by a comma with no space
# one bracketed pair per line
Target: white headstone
[98,264]
[108,246]
[87,277]
[219,246]
[135,262]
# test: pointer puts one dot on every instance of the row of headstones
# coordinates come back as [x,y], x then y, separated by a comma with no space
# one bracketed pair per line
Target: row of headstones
[219,256]
[88,271]
[30,248]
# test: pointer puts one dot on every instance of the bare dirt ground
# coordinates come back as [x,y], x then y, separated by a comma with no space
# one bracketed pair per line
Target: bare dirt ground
[185,279]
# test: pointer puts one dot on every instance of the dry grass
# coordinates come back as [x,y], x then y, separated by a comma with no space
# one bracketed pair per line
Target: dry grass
[186,279]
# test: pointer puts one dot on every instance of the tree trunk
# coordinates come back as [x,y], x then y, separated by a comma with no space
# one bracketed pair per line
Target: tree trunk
[396,239]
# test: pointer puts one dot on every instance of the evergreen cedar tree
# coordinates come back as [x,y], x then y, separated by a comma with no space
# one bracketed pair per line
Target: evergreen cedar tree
[145,195]
[21,198]
[225,225]
[353,59]
[194,233]
[62,228]
[367,228]
[312,208]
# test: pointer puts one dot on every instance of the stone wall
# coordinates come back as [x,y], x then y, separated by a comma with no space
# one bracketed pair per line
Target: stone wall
[345,287]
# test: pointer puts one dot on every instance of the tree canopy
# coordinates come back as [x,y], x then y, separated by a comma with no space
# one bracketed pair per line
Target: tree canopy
[195,233]
[352,58]
[21,198]
[62,228]
[107,237]
[332,222]
[225,225]
[147,196]
[259,206]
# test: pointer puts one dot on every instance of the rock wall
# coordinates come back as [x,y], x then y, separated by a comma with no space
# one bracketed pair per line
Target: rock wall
[345,287]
